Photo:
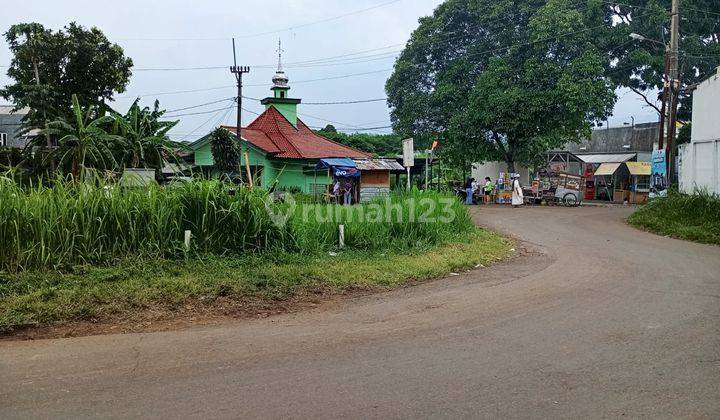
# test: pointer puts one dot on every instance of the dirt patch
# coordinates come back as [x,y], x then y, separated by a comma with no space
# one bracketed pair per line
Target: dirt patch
[192,312]
[198,312]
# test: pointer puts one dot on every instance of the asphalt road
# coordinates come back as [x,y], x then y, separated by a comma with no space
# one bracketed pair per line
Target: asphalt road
[607,322]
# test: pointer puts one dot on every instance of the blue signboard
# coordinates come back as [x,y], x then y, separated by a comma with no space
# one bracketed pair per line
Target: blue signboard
[658,179]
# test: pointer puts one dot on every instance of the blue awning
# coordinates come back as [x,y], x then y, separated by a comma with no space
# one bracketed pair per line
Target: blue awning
[340,167]
[331,162]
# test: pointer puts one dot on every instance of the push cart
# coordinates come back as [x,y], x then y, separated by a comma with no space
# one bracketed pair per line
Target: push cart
[557,189]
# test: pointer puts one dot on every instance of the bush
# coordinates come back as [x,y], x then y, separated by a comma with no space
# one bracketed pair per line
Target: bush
[694,217]
[70,224]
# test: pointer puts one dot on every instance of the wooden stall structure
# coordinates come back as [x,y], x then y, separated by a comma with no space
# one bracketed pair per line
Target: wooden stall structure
[639,181]
[375,176]
[623,182]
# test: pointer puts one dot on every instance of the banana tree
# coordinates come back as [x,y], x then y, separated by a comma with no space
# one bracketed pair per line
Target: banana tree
[146,139]
[83,140]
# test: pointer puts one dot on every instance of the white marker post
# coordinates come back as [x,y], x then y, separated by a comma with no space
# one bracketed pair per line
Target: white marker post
[341,235]
[408,157]
[188,235]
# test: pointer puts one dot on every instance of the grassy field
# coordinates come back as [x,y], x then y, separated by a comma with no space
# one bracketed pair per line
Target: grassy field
[161,287]
[66,224]
[96,251]
[692,217]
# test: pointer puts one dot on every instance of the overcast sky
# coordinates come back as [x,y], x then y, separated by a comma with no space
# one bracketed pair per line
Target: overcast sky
[352,37]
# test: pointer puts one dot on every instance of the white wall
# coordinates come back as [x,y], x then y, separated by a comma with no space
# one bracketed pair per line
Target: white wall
[700,159]
[492,169]
[700,166]
[706,106]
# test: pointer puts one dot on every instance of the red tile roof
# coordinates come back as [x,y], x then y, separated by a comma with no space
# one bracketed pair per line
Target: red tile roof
[273,133]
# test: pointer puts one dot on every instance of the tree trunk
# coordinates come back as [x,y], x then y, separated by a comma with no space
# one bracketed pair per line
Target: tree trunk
[510,164]
[48,140]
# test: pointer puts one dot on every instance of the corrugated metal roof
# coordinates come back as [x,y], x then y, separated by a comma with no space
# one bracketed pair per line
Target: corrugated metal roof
[378,165]
[607,157]
[607,169]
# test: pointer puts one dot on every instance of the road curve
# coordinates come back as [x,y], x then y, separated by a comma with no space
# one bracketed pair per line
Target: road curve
[601,320]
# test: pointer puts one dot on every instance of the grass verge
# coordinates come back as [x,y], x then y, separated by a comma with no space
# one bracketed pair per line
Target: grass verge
[693,217]
[101,294]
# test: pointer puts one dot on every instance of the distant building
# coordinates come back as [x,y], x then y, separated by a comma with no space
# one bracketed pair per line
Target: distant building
[627,143]
[284,153]
[493,170]
[639,139]
[700,159]
[10,125]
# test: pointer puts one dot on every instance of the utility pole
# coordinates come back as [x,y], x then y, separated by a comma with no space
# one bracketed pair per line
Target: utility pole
[665,93]
[238,71]
[674,87]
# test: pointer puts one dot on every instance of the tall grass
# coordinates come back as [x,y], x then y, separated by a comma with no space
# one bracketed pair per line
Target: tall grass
[403,220]
[695,217]
[80,223]
[85,223]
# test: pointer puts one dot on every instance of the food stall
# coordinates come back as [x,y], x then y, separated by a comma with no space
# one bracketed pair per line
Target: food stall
[639,181]
[605,180]
[503,188]
[556,188]
[622,182]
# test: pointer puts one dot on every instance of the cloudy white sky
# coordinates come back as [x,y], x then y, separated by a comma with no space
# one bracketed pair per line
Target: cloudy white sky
[358,37]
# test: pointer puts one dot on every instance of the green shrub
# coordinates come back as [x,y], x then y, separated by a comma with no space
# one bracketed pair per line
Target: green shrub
[695,217]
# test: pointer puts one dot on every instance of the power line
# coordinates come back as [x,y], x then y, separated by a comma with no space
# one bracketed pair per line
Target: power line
[198,113]
[330,78]
[212,117]
[178,68]
[337,62]
[330,121]
[360,101]
[343,125]
[348,59]
[198,106]
[174,92]
[253,85]
[302,25]
[701,11]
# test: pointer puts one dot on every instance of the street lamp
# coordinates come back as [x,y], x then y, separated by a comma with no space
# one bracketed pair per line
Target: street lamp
[639,37]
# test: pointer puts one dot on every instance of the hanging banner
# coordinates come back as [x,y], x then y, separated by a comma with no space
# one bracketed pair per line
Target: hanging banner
[658,180]
[345,172]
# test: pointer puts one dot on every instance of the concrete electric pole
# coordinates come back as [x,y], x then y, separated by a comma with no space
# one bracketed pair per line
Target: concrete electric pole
[238,71]
[674,87]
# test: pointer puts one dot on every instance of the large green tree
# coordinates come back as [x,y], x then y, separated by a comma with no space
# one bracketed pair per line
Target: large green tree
[48,67]
[508,79]
[640,62]
[502,79]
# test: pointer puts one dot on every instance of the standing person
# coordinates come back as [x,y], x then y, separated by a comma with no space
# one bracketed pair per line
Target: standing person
[348,193]
[336,191]
[488,189]
[469,191]
[517,193]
